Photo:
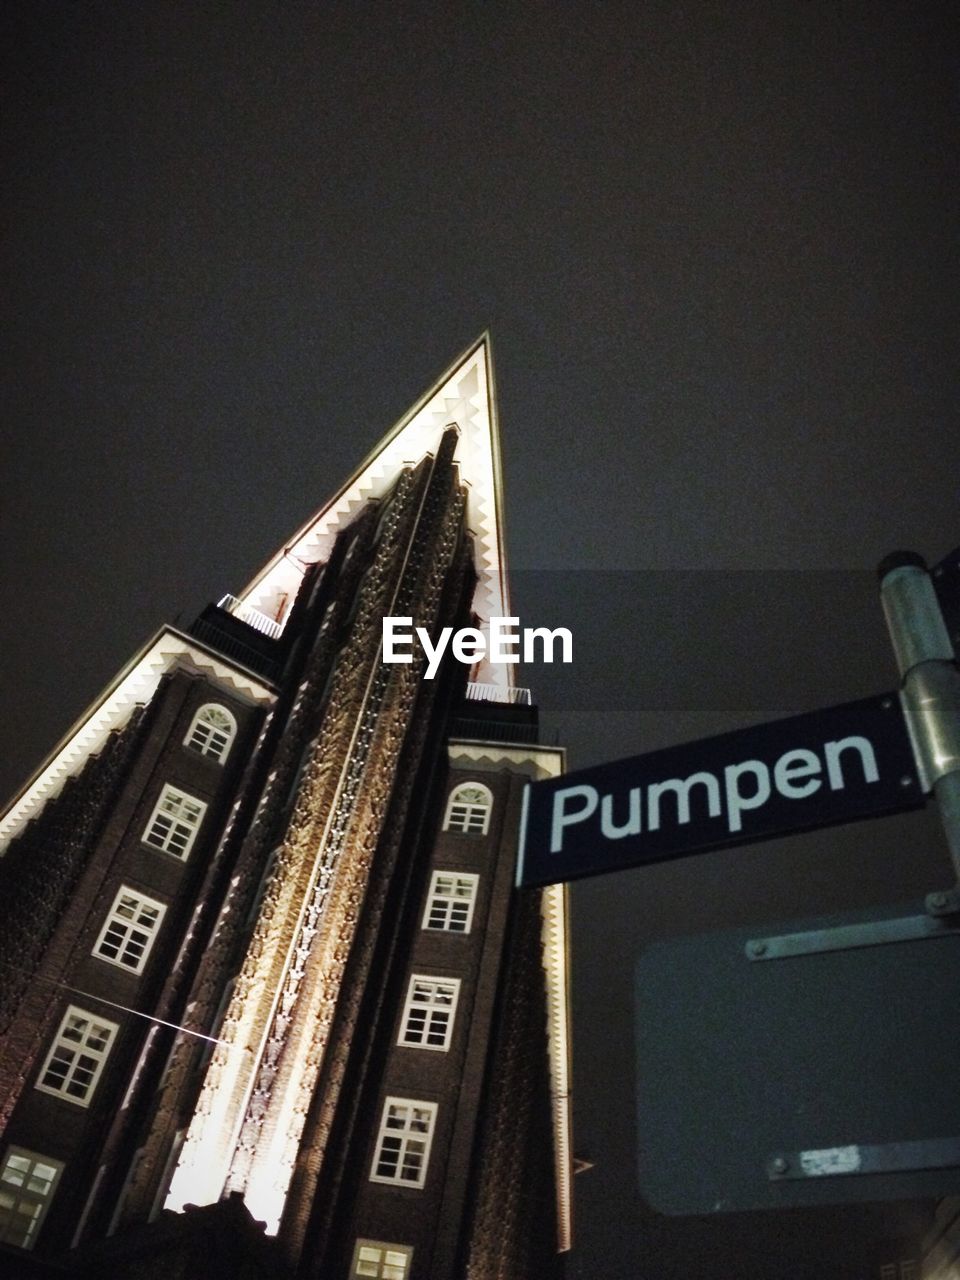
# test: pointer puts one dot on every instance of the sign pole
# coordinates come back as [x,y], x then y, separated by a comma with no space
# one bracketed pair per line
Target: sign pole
[930,690]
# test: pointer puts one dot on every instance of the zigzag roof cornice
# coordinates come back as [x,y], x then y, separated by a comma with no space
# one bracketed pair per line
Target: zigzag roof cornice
[134,686]
[463,395]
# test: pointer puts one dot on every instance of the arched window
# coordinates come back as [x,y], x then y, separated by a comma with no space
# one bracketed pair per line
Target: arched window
[468,809]
[212,731]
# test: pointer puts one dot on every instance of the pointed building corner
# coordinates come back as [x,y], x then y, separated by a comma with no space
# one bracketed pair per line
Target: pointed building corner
[464,396]
[277,999]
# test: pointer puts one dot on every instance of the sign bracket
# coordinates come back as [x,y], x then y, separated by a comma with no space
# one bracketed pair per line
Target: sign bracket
[867,1158]
[869,933]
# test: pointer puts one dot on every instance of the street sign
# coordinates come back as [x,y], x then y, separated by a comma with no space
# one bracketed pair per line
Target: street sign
[813,1064]
[815,770]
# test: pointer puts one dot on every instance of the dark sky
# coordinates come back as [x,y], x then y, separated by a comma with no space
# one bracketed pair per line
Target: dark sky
[716,247]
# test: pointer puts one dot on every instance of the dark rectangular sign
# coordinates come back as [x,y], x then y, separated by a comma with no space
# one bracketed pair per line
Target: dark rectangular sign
[815,770]
[803,1064]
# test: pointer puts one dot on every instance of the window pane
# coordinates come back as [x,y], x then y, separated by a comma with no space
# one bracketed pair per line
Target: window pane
[403,1144]
[382,1261]
[76,1057]
[450,902]
[129,930]
[211,732]
[29,1181]
[174,822]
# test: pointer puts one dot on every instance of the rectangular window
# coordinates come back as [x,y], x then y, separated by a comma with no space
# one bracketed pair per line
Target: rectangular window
[27,1184]
[174,822]
[450,901]
[76,1058]
[383,1261]
[129,931]
[428,1015]
[403,1144]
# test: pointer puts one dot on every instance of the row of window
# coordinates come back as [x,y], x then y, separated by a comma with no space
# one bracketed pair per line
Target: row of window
[402,1150]
[76,1059]
[134,918]
[175,821]
[83,1039]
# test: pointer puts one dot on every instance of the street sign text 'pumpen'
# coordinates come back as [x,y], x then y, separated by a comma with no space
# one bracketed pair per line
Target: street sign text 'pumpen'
[836,765]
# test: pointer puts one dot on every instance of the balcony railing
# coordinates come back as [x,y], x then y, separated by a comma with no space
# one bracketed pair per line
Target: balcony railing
[209,634]
[252,617]
[514,697]
[493,731]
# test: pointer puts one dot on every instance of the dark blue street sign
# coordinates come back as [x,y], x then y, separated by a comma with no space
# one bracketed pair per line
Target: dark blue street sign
[815,770]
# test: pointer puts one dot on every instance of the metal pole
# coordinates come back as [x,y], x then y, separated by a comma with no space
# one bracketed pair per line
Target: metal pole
[930,689]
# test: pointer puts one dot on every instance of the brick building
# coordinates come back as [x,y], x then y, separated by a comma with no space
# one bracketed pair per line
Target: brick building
[269,1002]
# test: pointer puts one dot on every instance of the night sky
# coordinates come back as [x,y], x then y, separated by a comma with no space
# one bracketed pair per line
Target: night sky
[715,245]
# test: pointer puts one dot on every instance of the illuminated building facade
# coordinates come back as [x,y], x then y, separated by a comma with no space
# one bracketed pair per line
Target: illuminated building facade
[268,997]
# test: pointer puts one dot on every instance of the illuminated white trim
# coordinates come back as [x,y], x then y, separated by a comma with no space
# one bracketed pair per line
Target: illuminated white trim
[480,756]
[132,687]
[464,395]
[554,907]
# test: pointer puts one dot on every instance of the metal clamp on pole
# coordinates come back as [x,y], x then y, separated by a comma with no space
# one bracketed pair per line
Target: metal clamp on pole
[930,691]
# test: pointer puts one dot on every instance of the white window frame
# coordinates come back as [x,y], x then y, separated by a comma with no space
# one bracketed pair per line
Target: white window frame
[469,817]
[212,740]
[397,1122]
[15,1185]
[434,1000]
[181,815]
[440,900]
[81,1058]
[386,1268]
[114,917]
